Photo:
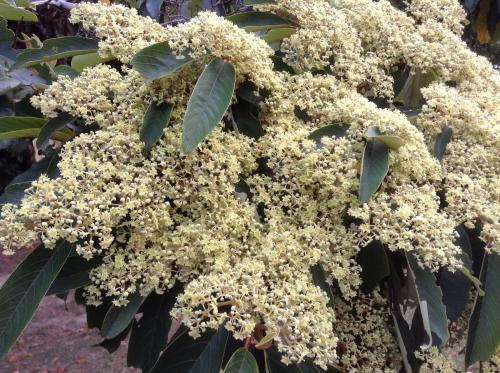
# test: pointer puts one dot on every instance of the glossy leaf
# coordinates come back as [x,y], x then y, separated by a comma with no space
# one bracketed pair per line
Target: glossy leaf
[52,126]
[411,95]
[442,141]
[6,40]
[455,285]
[374,168]
[74,274]
[82,61]
[256,21]
[484,325]
[319,279]
[202,355]
[393,142]
[117,319]
[53,49]
[66,70]
[24,289]
[242,361]
[155,121]
[149,334]
[430,300]
[17,14]
[278,34]
[331,130]
[14,127]
[158,61]
[209,101]
[374,265]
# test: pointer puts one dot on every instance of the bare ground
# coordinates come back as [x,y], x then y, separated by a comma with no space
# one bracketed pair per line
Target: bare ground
[57,340]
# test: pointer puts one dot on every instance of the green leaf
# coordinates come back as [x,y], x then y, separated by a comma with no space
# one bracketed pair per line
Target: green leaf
[441,142]
[332,130]
[74,275]
[430,299]
[393,142]
[53,49]
[319,279]
[256,21]
[374,264]
[202,355]
[374,168]
[24,289]
[6,40]
[66,70]
[118,318]
[14,192]
[484,325]
[111,345]
[209,101]
[155,121]
[17,14]
[80,62]
[158,61]
[411,95]
[149,334]
[13,127]
[52,126]
[242,361]
[455,285]
[278,34]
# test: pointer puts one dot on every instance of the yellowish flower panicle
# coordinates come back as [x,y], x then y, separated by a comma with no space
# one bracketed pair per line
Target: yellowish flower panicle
[163,217]
[365,340]
[449,12]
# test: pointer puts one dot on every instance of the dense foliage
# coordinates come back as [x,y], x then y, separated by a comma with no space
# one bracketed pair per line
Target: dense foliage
[298,186]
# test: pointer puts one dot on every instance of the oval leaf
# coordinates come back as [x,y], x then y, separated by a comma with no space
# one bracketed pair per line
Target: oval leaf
[24,289]
[13,127]
[278,34]
[208,103]
[374,265]
[374,168]
[53,49]
[430,299]
[155,121]
[441,142]
[118,318]
[52,126]
[256,21]
[202,355]
[80,62]
[484,325]
[74,275]
[17,14]
[158,61]
[393,142]
[66,70]
[332,130]
[242,361]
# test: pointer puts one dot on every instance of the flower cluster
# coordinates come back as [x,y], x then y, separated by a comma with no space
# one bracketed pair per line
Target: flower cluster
[161,217]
